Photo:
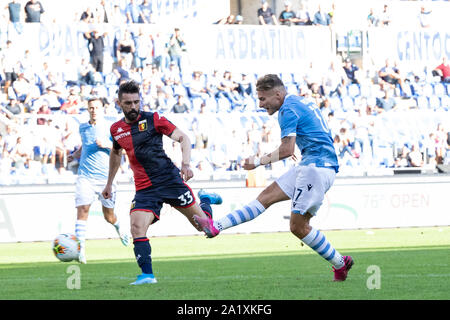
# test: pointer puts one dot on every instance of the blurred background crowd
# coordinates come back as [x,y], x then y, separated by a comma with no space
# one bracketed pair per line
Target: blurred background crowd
[43,100]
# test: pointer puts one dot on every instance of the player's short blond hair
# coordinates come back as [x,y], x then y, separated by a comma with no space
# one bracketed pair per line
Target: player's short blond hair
[269,82]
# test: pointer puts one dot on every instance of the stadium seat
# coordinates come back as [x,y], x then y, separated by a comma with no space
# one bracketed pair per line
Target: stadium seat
[298,78]
[347,103]
[435,102]
[445,102]
[249,105]
[287,79]
[422,102]
[196,103]
[223,105]
[211,105]
[439,90]
[365,90]
[407,92]
[335,103]
[353,90]
[428,90]
[292,89]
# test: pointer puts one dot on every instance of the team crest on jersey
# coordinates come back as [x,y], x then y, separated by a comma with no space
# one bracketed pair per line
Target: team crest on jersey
[142,125]
[133,204]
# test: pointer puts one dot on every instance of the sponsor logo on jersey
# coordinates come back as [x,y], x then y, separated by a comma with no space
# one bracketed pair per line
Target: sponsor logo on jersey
[121,135]
[142,125]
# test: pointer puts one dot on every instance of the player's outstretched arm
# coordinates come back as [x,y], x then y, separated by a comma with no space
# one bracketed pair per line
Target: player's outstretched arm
[285,150]
[74,155]
[115,157]
[185,143]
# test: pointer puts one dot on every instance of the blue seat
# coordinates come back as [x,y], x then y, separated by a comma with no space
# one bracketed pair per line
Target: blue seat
[440,90]
[353,90]
[445,102]
[335,103]
[365,90]
[347,103]
[422,102]
[435,102]
[428,90]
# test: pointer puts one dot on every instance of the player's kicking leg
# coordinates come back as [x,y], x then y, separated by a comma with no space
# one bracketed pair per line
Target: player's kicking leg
[193,211]
[206,223]
[266,198]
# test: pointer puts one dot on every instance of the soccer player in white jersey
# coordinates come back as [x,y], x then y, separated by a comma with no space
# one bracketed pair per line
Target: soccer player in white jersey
[305,185]
[93,173]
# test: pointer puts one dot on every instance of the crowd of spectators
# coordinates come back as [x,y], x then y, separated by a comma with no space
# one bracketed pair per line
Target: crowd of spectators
[41,100]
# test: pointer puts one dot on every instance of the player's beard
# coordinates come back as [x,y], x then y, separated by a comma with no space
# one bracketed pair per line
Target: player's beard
[132,115]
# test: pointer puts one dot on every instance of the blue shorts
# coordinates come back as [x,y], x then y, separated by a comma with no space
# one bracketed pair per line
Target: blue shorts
[177,193]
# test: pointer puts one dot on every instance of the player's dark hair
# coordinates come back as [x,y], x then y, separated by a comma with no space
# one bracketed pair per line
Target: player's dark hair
[130,86]
[269,82]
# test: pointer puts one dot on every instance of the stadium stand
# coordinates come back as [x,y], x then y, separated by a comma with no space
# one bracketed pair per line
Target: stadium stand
[213,115]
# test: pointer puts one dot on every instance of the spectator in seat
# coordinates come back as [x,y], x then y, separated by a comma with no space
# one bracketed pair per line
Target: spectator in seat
[424,17]
[303,17]
[96,46]
[385,17]
[321,18]
[287,16]
[133,11]
[372,19]
[415,157]
[351,71]
[145,14]
[266,15]
[126,49]
[390,76]
[443,70]
[33,11]
[385,103]
[197,88]
[180,106]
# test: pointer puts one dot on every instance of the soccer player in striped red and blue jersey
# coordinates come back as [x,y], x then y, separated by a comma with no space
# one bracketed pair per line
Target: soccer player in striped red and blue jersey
[157,179]
[301,124]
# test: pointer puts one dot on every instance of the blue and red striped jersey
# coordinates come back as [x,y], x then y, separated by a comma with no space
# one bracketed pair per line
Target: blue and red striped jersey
[143,143]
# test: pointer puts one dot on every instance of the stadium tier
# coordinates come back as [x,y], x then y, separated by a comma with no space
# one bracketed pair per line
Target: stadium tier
[379,88]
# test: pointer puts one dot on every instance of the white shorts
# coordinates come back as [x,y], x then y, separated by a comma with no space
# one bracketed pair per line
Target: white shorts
[88,190]
[306,186]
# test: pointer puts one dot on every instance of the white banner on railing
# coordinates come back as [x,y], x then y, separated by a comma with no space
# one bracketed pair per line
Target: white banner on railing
[257,48]
[415,48]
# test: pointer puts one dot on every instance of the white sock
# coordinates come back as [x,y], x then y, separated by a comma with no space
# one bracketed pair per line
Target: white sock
[316,240]
[117,224]
[80,231]
[247,213]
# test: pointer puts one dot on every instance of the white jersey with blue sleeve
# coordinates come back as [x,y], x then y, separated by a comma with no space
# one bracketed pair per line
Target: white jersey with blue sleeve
[303,119]
[94,161]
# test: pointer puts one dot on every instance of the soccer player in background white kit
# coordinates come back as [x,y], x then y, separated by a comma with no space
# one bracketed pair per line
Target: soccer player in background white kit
[93,173]
[301,123]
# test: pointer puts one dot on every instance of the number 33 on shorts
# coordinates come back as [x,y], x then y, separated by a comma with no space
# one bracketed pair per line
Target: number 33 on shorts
[186,198]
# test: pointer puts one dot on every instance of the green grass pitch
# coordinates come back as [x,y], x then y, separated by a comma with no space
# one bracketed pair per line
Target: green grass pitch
[413,263]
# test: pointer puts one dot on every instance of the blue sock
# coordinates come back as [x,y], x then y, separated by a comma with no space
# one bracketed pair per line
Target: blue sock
[206,207]
[143,251]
